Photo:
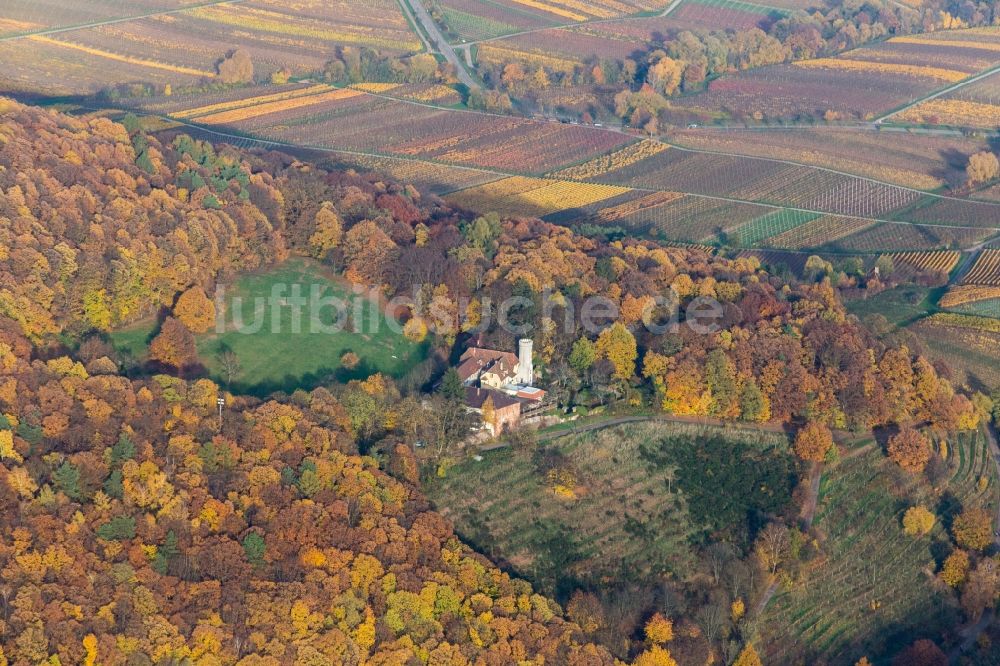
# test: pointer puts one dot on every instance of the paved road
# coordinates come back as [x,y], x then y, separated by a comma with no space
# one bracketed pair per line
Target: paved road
[112,21]
[418,13]
[941,93]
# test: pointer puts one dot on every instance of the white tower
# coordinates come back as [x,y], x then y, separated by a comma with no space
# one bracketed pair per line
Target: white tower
[525,366]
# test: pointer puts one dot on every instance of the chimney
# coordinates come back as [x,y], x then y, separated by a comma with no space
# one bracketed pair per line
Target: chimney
[525,366]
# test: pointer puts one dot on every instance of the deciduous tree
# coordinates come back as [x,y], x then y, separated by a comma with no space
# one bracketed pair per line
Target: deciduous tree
[973,529]
[918,521]
[174,346]
[910,450]
[195,310]
[813,441]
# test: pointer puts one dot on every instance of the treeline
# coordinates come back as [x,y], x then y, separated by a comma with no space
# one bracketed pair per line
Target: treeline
[359,65]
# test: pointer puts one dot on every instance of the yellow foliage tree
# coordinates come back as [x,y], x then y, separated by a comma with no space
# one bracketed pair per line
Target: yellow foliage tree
[145,485]
[737,609]
[918,521]
[617,344]
[654,656]
[195,310]
[415,330]
[956,568]
[7,447]
[329,231]
[90,646]
[659,629]
[748,657]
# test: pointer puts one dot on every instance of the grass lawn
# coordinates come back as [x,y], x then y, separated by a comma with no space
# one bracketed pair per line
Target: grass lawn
[902,305]
[873,591]
[637,510]
[277,357]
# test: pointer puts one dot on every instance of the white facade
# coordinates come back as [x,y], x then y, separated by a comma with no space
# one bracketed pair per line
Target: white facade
[525,364]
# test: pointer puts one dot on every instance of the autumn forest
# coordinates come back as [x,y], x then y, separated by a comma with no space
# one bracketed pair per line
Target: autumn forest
[499,333]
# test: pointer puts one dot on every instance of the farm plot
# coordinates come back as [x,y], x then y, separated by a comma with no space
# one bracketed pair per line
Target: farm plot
[360,122]
[763,181]
[500,54]
[987,307]
[941,262]
[471,20]
[183,48]
[605,164]
[888,236]
[872,592]
[820,232]
[969,348]
[967,294]
[795,92]
[986,270]
[564,44]
[949,211]
[862,83]
[438,179]
[194,106]
[26,16]
[919,161]
[584,10]
[61,67]
[768,226]
[378,24]
[778,260]
[673,216]
[953,112]
[532,197]
[724,15]
[606,504]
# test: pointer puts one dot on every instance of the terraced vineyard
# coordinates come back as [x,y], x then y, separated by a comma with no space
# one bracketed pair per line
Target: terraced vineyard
[624,515]
[873,592]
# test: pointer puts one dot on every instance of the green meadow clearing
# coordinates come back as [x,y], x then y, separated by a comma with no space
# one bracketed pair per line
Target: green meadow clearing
[280,349]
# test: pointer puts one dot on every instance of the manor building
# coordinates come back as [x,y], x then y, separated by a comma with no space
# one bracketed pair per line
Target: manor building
[502,381]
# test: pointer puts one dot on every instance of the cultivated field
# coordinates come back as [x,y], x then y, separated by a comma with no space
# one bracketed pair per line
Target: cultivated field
[533,197]
[863,83]
[986,270]
[939,262]
[969,344]
[974,105]
[872,593]
[583,10]
[24,16]
[354,120]
[271,357]
[920,161]
[183,48]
